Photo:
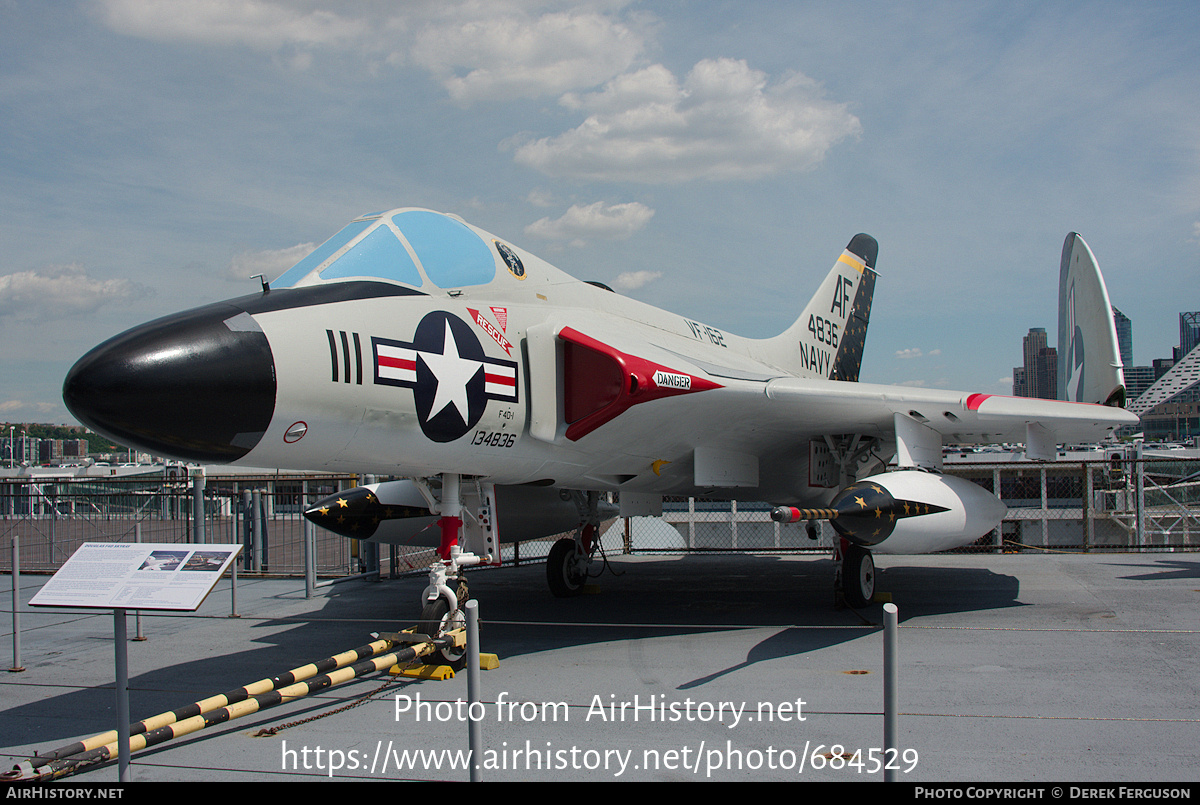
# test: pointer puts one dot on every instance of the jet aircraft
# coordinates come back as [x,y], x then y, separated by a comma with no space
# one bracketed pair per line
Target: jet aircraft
[510,396]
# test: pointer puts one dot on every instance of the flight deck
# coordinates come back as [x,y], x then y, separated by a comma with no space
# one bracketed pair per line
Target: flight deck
[1021,668]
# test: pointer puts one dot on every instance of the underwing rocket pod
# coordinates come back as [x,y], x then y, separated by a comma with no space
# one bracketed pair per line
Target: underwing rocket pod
[907,511]
[912,511]
[396,513]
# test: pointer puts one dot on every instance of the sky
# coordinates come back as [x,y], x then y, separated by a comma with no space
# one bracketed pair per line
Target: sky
[710,158]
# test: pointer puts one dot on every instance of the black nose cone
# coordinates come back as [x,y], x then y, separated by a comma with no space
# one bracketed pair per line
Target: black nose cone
[197,386]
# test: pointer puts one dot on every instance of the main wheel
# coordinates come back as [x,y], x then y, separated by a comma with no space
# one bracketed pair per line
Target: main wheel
[436,620]
[858,577]
[562,574]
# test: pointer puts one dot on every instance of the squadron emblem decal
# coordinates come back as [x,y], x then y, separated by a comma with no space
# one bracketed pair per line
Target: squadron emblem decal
[515,266]
[451,377]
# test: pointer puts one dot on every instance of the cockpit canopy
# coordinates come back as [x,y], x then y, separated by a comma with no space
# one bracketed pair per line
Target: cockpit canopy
[417,248]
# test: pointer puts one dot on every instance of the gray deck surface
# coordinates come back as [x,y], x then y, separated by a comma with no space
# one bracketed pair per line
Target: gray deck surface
[1012,668]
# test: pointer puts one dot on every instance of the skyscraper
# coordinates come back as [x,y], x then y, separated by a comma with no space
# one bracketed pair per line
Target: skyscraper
[1189,333]
[1124,337]
[1039,376]
[1019,387]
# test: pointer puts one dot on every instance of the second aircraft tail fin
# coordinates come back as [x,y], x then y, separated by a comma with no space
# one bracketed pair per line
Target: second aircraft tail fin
[1089,358]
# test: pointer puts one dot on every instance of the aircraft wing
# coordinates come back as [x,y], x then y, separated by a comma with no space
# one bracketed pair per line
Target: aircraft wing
[918,416]
[629,404]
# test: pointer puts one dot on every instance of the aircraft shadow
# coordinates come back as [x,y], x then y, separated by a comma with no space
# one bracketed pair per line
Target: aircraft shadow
[1170,569]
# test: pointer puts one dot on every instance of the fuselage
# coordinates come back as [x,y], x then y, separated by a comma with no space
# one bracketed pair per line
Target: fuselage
[414,344]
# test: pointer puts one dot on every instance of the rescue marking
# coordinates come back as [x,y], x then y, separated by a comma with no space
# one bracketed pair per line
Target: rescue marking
[487,327]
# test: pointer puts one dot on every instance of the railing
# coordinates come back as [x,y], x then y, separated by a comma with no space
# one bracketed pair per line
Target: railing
[1151,504]
[1135,505]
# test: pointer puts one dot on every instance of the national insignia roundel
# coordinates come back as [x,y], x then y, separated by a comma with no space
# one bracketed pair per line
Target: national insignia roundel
[451,377]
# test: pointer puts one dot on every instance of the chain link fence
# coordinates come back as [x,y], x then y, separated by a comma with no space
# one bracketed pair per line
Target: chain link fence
[1119,505]
[51,518]
[1099,505]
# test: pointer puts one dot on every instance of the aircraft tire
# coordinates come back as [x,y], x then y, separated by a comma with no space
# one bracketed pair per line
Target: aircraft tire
[564,580]
[858,577]
[437,618]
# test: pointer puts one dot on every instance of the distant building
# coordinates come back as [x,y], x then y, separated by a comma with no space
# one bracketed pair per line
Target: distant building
[1039,375]
[1124,338]
[1020,389]
[1189,334]
[1137,380]
[50,450]
[75,448]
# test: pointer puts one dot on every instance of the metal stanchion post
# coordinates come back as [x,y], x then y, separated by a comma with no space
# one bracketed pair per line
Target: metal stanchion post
[256,562]
[198,532]
[233,613]
[1140,475]
[16,604]
[890,670]
[475,730]
[310,559]
[122,666]
[247,530]
[137,613]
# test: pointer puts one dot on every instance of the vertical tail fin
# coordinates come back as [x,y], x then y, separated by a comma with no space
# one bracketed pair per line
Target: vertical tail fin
[1089,358]
[827,340]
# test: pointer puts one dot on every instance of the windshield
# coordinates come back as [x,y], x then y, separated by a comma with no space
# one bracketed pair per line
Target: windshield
[448,253]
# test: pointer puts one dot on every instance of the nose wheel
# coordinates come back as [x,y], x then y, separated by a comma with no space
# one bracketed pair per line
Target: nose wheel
[436,620]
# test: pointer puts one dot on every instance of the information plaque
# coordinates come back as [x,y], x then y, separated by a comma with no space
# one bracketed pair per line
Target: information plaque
[131,575]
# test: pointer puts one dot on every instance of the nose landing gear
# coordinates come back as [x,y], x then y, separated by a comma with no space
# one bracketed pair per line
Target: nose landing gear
[437,619]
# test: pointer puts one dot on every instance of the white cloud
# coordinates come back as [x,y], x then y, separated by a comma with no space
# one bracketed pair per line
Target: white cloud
[253,23]
[725,121]
[581,223]
[512,56]
[477,51]
[59,292]
[10,407]
[269,262]
[540,198]
[631,280]
[915,352]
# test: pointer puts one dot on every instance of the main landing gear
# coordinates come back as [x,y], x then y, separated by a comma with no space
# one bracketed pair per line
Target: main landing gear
[569,558]
[856,576]
[567,567]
